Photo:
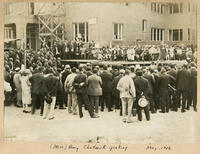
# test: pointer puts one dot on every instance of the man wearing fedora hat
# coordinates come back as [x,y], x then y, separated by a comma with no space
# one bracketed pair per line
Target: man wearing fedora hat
[141,86]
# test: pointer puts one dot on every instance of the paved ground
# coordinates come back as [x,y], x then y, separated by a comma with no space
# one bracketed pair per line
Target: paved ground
[173,127]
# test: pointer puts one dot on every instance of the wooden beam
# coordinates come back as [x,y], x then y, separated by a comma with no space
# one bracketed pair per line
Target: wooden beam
[56,27]
[45,34]
[45,24]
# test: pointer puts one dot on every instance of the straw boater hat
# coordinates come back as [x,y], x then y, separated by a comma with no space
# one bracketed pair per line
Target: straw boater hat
[142,102]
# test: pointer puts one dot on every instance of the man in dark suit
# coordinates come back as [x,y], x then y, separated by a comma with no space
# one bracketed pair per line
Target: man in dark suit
[80,84]
[36,87]
[182,85]
[116,93]
[151,82]
[193,87]
[106,77]
[173,100]
[50,86]
[164,81]
[141,86]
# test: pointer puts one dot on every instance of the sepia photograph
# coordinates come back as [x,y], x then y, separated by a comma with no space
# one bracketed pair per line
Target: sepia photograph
[101,72]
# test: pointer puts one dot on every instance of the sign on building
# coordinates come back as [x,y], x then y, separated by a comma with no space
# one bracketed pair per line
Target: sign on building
[92,21]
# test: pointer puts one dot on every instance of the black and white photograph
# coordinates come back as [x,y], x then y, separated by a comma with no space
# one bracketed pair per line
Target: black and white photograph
[101,72]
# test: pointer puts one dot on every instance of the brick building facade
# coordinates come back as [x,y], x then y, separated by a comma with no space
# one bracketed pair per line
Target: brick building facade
[110,23]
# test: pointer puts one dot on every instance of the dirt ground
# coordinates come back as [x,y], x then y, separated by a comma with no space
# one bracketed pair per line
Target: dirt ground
[172,127]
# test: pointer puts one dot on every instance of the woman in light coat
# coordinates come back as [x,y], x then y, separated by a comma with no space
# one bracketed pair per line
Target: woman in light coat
[26,91]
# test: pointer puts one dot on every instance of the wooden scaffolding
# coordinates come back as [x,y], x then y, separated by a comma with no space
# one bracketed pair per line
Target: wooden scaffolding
[50,18]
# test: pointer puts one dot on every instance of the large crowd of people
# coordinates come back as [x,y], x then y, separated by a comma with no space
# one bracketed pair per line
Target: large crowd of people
[38,80]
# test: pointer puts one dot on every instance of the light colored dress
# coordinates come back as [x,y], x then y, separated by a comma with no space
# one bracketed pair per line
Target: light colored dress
[17,82]
[26,91]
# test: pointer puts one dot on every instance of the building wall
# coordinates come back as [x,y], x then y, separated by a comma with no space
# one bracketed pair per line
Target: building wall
[128,14]
[186,20]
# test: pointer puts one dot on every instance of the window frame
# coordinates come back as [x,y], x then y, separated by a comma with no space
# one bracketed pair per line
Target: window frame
[75,28]
[144,25]
[157,34]
[113,31]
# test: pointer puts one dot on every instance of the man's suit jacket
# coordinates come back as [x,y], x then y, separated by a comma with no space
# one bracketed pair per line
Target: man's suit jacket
[80,78]
[106,81]
[183,80]
[163,81]
[94,85]
[36,83]
[193,80]
[141,86]
[115,82]
[173,73]
[151,82]
[50,85]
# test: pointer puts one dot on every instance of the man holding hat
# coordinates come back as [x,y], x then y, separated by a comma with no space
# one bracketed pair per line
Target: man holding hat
[141,86]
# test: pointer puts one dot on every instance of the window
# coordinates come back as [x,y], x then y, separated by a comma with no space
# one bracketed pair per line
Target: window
[8,33]
[188,7]
[32,8]
[188,34]
[181,8]
[175,34]
[170,8]
[157,7]
[144,25]
[117,31]
[162,9]
[81,30]
[157,34]
[193,34]
[152,6]
[170,35]
[175,8]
